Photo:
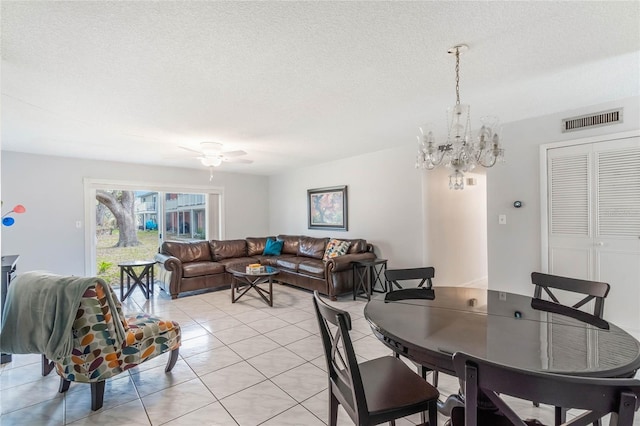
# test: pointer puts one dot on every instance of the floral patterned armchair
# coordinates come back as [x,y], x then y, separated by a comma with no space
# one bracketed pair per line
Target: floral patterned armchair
[96,356]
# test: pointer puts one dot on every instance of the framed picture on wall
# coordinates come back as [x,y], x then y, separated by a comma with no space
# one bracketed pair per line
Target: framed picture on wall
[327,208]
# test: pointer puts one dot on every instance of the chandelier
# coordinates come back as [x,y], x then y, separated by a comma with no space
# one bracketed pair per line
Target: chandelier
[460,152]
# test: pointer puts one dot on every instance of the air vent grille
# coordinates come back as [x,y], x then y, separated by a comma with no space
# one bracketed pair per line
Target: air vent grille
[604,118]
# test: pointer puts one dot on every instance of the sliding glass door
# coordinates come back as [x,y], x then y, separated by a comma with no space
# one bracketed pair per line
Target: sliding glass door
[152,215]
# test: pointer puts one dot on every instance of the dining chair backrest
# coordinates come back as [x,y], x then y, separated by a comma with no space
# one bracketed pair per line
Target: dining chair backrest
[342,366]
[425,274]
[410,294]
[599,397]
[593,290]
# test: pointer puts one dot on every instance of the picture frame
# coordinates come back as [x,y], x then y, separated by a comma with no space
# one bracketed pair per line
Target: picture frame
[327,208]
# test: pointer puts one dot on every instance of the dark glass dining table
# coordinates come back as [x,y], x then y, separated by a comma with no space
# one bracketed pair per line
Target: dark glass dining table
[500,327]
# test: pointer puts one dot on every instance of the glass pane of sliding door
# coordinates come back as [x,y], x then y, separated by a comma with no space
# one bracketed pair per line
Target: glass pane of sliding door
[185,217]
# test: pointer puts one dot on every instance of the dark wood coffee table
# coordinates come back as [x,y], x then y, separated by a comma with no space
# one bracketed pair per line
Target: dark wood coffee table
[245,281]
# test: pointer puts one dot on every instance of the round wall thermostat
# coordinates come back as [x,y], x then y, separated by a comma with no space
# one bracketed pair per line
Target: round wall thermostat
[517,204]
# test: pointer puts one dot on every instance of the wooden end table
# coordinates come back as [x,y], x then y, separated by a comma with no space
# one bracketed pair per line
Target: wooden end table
[144,280]
[245,281]
[368,273]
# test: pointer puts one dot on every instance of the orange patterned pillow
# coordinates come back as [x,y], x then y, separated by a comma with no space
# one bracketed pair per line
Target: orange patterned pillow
[335,248]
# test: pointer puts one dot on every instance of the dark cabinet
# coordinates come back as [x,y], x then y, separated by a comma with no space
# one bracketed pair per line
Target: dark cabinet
[8,273]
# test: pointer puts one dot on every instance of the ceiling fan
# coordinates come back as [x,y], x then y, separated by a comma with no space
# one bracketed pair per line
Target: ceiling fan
[211,154]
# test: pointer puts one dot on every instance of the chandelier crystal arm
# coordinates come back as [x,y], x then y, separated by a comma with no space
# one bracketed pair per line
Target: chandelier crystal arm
[429,154]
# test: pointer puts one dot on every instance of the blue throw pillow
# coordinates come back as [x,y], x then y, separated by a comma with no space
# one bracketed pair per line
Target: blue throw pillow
[273,248]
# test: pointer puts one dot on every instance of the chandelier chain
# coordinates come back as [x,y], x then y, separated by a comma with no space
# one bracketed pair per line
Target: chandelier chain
[457,76]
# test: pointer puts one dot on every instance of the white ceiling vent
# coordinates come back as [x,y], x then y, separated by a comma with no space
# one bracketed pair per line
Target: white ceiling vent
[604,118]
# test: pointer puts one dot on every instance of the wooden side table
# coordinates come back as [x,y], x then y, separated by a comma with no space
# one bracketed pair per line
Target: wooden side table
[144,280]
[368,273]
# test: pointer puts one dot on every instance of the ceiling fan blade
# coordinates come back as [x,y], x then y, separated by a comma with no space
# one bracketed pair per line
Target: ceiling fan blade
[237,160]
[237,153]
[191,150]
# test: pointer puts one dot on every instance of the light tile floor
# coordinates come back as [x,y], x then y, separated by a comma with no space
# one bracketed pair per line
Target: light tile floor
[240,364]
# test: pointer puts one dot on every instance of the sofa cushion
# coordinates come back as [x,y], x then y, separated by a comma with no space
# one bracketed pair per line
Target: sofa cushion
[196,251]
[291,243]
[313,267]
[290,263]
[255,246]
[312,247]
[226,249]
[273,248]
[240,262]
[272,260]
[197,269]
[357,246]
[336,248]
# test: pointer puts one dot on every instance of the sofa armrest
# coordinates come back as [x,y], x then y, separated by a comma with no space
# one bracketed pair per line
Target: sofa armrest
[170,263]
[173,268]
[344,262]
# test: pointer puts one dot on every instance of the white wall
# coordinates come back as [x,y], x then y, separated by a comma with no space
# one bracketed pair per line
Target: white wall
[385,202]
[514,249]
[52,190]
[456,231]
[411,216]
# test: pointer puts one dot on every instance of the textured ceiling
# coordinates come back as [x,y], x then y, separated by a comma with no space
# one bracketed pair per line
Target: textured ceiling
[294,83]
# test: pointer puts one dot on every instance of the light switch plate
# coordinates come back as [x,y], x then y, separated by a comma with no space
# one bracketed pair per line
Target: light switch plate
[502,219]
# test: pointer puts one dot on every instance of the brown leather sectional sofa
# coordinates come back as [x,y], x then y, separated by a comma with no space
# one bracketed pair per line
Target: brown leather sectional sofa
[188,266]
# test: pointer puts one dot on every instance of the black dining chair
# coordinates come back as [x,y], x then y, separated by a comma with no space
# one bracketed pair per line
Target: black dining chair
[426,275]
[592,290]
[375,391]
[487,380]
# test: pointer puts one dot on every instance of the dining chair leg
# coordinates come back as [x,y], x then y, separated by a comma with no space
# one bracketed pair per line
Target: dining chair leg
[561,415]
[333,408]
[423,373]
[433,412]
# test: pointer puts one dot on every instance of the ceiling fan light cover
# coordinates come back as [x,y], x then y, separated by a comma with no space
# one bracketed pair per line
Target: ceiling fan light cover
[211,161]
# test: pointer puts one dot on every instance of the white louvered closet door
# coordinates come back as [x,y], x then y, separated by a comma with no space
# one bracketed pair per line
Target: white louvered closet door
[594,220]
